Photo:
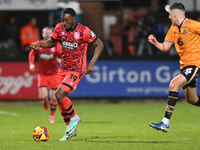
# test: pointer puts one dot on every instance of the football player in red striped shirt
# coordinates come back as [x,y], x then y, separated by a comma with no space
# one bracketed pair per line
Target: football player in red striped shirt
[75,38]
[48,69]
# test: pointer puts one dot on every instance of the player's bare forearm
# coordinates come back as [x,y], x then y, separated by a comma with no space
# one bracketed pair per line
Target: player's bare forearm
[99,48]
[163,47]
[98,51]
[48,44]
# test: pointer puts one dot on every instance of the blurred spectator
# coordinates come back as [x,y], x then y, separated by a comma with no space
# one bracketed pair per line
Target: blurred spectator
[130,30]
[29,34]
[149,25]
[10,30]
[123,42]
[115,39]
[157,30]
[9,49]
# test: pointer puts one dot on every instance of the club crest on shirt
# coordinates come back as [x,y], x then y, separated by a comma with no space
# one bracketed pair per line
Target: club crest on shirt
[76,35]
[184,32]
[53,49]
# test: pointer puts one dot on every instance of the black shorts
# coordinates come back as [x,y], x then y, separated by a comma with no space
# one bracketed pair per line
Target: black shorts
[191,74]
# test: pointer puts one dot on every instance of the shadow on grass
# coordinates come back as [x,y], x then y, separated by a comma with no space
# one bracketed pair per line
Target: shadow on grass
[95,122]
[88,122]
[130,141]
[98,140]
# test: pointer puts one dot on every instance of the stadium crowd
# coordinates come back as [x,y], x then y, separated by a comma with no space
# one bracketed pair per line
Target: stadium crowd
[125,38]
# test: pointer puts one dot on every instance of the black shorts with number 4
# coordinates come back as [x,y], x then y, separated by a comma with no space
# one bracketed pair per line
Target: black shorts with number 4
[191,74]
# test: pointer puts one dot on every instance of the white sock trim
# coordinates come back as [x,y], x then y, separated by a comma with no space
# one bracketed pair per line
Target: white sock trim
[73,118]
[165,121]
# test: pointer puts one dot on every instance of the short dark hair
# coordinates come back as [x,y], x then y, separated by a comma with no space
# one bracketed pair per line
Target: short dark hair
[70,11]
[177,5]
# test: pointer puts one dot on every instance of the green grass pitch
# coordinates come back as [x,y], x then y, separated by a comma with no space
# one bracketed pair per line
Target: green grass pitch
[115,126]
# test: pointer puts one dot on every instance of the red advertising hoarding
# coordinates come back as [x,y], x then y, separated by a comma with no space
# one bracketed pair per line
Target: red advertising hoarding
[17,82]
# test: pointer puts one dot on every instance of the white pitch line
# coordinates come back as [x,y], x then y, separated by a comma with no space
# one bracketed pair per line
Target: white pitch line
[8,113]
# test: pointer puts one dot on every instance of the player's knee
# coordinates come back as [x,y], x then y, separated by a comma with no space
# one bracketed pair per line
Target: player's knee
[53,97]
[58,96]
[43,97]
[173,87]
[191,100]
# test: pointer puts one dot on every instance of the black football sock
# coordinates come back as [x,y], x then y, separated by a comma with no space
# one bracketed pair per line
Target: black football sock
[172,99]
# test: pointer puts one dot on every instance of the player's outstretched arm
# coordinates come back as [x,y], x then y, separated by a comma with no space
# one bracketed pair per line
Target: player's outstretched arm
[163,47]
[99,48]
[47,44]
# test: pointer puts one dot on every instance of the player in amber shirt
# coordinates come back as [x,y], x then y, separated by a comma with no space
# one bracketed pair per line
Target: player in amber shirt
[47,71]
[75,38]
[185,35]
